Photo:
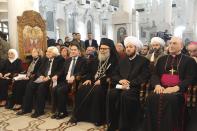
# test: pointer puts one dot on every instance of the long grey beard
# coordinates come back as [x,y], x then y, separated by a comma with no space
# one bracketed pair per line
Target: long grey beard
[103,57]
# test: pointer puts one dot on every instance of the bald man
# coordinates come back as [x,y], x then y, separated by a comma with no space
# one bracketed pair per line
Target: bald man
[172,75]
[192,49]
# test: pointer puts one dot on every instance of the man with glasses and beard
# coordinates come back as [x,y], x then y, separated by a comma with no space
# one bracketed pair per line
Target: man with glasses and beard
[124,103]
[91,96]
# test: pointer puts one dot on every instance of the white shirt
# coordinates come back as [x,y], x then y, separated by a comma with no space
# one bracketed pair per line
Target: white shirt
[70,67]
[90,42]
[49,72]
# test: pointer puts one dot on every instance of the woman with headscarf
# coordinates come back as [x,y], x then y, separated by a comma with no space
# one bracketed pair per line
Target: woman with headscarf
[10,68]
[20,84]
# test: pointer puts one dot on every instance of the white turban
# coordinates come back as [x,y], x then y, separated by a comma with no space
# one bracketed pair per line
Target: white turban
[158,40]
[134,41]
[15,55]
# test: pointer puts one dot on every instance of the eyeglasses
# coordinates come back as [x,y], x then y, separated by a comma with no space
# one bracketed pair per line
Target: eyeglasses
[192,51]
[103,48]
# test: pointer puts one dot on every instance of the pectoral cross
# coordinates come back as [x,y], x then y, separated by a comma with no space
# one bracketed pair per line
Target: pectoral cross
[172,71]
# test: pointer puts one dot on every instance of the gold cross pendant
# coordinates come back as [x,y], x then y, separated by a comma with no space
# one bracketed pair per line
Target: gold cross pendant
[172,71]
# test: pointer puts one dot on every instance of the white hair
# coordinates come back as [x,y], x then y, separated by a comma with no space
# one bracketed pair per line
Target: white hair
[158,40]
[54,50]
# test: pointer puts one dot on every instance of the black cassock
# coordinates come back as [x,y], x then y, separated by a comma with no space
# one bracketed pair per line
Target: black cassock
[124,105]
[91,107]
[8,67]
[165,112]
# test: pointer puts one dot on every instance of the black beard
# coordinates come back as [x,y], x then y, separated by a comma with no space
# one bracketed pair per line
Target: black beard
[131,55]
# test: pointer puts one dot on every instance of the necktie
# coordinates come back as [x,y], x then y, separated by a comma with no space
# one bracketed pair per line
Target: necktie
[48,67]
[73,66]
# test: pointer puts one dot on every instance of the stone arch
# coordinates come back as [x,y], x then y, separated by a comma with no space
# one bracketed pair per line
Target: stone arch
[89,22]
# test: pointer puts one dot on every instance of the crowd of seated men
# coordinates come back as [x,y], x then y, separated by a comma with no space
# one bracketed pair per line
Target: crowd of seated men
[106,79]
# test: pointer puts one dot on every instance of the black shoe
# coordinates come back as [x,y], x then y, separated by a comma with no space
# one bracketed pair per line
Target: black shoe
[97,124]
[61,115]
[22,112]
[54,116]
[35,115]
[72,120]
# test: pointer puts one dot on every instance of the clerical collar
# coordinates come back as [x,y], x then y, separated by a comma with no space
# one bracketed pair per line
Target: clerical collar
[177,55]
[131,58]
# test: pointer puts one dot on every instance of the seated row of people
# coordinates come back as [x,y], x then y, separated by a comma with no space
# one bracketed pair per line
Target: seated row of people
[109,85]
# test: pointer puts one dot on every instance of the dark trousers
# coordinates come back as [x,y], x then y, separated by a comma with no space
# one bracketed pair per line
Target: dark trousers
[4,83]
[18,91]
[40,91]
[124,109]
[60,96]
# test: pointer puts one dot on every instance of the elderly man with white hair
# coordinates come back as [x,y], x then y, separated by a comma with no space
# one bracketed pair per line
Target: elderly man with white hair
[124,103]
[50,70]
[171,77]
[157,45]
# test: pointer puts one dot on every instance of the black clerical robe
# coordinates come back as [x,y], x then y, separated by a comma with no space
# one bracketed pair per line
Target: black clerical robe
[91,100]
[165,111]
[124,105]
[7,67]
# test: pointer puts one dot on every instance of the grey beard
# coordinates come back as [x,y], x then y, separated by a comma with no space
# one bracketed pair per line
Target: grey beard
[103,57]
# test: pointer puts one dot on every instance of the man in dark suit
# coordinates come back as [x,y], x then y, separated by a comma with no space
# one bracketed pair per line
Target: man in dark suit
[74,67]
[50,70]
[91,42]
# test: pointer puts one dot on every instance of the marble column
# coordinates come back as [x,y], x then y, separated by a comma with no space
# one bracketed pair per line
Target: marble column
[127,5]
[168,12]
[126,18]
[16,8]
[195,22]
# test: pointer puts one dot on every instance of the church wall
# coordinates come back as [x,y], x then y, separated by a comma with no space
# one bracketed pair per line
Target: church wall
[75,17]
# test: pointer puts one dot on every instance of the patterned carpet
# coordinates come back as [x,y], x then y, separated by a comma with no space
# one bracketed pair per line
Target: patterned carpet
[9,121]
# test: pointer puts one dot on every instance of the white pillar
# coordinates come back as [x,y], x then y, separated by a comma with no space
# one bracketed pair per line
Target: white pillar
[168,11]
[195,23]
[16,8]
[127,5]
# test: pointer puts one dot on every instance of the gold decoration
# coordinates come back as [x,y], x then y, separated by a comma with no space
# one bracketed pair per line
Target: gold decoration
[31,33]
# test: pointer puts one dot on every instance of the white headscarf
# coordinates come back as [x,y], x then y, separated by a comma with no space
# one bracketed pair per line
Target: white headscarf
[15,55]
[134,41]
[158,40]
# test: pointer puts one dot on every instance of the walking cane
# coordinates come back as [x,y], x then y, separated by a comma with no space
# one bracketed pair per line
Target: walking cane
[107,102]
[73,117]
